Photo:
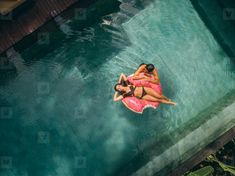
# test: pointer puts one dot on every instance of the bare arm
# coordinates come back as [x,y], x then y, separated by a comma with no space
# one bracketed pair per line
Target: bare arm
[139,70]
[116,97]
[140,77]
[146,78]
[156,77]
[122,76]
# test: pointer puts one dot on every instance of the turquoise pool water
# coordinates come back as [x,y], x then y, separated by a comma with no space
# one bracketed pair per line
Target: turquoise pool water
[58,117]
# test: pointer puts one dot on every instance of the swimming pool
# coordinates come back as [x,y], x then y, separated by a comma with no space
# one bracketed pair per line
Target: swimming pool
[58,117]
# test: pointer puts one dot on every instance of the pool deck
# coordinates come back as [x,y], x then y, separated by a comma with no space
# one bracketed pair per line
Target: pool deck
[13,29]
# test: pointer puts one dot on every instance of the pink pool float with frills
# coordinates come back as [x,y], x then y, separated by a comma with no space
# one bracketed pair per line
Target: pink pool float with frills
[138,105]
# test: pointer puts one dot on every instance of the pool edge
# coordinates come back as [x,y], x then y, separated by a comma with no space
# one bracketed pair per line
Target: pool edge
[168,168]
[203,153]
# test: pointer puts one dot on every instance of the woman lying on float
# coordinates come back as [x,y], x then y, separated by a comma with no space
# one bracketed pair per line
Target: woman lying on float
[138,94]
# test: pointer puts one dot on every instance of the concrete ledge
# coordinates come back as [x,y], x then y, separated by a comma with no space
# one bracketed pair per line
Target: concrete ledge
[202,154]
[195,140]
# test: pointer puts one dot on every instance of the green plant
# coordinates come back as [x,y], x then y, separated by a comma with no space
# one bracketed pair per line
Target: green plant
[225,167]
[205,171]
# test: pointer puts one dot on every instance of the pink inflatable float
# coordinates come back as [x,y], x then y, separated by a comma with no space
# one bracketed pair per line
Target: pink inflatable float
[138,105]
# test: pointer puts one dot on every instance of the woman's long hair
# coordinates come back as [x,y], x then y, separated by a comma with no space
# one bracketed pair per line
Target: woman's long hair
[119,92]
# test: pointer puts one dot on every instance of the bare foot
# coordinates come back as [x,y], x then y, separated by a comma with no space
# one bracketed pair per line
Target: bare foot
[172,103]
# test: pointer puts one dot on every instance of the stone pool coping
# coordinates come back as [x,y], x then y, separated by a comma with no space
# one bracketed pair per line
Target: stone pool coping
[202,154]
[175,152]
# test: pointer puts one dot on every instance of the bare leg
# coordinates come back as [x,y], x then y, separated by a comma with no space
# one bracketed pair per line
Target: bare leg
[154,99]
[153,93]
[166,98]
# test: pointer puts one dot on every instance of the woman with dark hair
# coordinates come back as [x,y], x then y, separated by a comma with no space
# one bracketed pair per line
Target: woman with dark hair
[124,89]
[148,70]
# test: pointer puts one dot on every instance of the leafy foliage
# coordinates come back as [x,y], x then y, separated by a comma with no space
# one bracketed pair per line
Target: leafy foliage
[222,163]
[205,171]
